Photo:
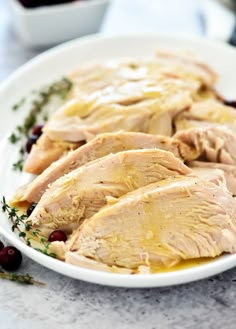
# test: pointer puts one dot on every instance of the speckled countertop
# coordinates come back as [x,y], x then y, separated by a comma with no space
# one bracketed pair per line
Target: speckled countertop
[66,303]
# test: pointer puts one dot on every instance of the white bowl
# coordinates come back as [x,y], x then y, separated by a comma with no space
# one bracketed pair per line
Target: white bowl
[50,25]
[56,63]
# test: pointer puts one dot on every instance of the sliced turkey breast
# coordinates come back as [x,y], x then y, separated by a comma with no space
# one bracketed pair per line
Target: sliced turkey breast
[206,113]
[94,76]
[98,147]
[141,95]
[45,152]
[229,172]
[214,144]
[210,174]
[159,103]
[160,224]
[195,67]
[82,192]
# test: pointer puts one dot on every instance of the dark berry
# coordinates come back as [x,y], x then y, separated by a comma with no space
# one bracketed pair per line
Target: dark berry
[57,236]
[30,209]
[30,3]
[1,245]
[230,103]
[37,130]
[38,3]
[54,2]
[10,258]
[30,142]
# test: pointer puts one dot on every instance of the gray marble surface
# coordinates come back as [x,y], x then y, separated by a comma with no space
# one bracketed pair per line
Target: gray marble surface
[65,303]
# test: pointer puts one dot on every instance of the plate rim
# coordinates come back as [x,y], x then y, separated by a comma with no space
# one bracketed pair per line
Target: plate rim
[124,280]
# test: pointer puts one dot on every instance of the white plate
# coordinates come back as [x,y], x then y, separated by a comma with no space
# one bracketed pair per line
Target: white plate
[58,61]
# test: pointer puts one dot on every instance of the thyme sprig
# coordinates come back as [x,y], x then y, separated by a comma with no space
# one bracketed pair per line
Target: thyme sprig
[13,138]
[28,232]
[44,96]
[18,165]
[19,104]
[46,250]
[21,278]
[17,220]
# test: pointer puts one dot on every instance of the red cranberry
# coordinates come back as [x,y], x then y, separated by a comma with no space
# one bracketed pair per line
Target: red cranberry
[30,142]
[1,245]
[37,130]
[57,236]
[10,258]
[230,103]
[30,209]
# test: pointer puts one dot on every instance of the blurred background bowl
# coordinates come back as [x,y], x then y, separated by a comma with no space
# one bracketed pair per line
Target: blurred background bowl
[50,25]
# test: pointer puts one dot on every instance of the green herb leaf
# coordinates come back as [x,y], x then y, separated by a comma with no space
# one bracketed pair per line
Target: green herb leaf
[43,97]
[18,165]
[19,221]
[13,138]
[19,104]
[21,278]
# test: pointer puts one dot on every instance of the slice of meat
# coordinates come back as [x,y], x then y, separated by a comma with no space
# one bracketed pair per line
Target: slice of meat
[229,172]
[195,67]
[208,112]
[97,76]
[98,147]
[82,192]
[182,123]
[58,248]
[167,97]
[160,224]
[213,175]
[84,262]
[74,123]
[214,144]
[46,151]
[141,95]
